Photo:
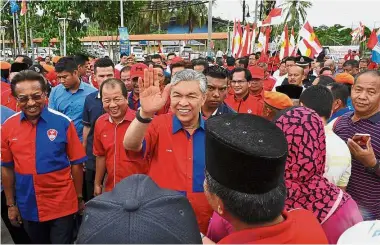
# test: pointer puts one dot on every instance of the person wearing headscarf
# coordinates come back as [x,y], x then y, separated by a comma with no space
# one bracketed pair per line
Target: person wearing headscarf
[305,165]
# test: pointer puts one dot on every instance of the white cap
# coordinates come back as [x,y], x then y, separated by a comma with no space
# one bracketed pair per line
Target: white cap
[365,232]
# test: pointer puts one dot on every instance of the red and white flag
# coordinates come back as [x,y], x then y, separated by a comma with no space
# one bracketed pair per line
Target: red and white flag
[264,36]
[372,41]
[252,37]
[160,48]
[236,42]
[273,18]
[308,35]
[284,50]
[245,42]
[292,44]
[24,8]
[358,32]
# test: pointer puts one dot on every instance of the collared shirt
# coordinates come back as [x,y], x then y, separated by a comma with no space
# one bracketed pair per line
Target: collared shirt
[268,84]
[108,142]
[338,159]
[222,109]
[279,79]
[249,104]
[7,98]
[339,113]
[177,161]
[133,102]
[300,226]
[42,156]
[364,186]
[71,104]
[93,109]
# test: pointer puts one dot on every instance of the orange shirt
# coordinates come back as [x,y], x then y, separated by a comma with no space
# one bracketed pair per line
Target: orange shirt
[249,104]
[300,226]
[108,142]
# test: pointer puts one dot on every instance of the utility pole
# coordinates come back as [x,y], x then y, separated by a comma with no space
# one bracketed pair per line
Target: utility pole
[121,14]
[243,12]
[209,27]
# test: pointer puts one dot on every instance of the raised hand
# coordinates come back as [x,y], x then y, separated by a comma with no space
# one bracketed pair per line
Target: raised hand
[152,98]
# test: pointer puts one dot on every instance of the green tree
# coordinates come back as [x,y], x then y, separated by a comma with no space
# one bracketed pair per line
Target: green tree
[296,12]
[192,15]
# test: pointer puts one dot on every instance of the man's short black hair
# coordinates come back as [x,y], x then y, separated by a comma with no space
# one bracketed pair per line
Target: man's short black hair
[81,59]
[216,72]
[352,63]
[230,61]
[325,80]
[27,75]
[340,92]
[26,60]
[243,61]
[177,64]
[103,62]
[324,69]
[113,82]
[156,56]
[125,69]
[320,99]
[170,54]
[201,62]
[247,73]
[250,208]
[122,55]
[66,64]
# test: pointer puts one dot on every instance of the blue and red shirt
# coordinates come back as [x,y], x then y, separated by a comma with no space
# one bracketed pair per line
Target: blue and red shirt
[177,161]
[108,142]
[42,155]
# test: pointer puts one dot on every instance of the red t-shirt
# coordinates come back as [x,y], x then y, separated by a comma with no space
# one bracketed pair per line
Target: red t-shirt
[300,226]
[269,83]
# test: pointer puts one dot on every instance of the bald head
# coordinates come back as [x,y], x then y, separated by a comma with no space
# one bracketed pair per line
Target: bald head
[330,64]
[296,75]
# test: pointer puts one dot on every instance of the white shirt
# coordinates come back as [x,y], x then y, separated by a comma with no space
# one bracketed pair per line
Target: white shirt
[219,54]
[279,79]
[119,67]
[338,159]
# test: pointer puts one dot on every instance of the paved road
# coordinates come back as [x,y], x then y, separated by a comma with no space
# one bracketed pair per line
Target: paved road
[5,236]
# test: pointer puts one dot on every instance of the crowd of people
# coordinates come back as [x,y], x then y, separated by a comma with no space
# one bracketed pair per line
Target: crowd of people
[246,150]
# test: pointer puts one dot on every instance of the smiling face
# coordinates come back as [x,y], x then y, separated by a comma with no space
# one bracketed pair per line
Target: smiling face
[186,100]
[365,95]
[239,84]
[114,103]
[30,98]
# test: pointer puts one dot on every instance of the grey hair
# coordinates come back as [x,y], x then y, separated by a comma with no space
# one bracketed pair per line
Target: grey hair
[190,75]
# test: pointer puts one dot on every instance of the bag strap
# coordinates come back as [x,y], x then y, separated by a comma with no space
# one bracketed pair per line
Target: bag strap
[334,207]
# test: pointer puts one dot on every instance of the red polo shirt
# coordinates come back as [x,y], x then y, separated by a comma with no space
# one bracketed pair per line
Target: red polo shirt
[7,98]
[108,142]
[42,155]
[269,83]
[177,161]
[300,226]
[249,104]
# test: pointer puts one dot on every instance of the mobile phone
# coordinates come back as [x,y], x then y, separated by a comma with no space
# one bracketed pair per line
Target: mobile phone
[361,139]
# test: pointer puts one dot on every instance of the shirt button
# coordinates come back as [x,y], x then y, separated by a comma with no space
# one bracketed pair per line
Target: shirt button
[189,158]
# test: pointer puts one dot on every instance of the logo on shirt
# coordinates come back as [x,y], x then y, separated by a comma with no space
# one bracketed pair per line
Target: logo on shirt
[249,111]
[52,134]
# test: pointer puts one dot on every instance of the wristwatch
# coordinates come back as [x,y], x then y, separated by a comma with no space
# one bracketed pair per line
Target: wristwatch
[80,198]
[142,120]
[374,168]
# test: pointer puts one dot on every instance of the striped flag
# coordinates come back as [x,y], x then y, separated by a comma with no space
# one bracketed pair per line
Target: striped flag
[284,50]
[308,35]
[273,18]
[292,44]
[23,7]
[236,42]
[245,42]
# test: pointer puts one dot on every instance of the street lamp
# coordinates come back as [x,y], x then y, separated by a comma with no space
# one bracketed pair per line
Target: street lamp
[62,22]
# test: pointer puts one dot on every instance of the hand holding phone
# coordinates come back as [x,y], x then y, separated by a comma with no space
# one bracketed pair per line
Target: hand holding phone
[361,139]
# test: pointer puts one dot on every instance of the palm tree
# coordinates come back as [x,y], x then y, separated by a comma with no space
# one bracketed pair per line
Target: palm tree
[193,13]
[296,11]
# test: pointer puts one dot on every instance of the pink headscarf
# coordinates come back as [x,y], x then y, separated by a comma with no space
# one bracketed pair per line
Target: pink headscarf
[307,188]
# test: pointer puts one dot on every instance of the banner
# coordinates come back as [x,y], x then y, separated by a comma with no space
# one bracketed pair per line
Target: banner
[125,44]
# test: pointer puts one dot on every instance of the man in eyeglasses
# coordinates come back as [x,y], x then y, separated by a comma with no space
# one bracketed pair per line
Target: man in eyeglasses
[41,164]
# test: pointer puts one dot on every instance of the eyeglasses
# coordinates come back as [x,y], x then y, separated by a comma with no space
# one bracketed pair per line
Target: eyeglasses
[25,99]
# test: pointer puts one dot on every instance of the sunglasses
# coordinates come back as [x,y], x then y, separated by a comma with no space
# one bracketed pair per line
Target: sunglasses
[25,99]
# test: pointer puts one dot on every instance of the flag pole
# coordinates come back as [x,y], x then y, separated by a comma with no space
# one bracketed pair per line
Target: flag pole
[26,34]
[14,36]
